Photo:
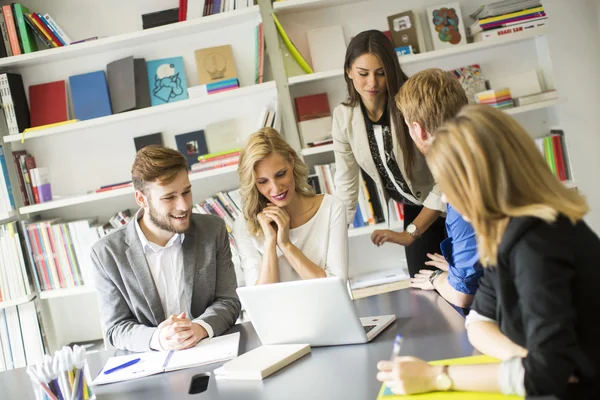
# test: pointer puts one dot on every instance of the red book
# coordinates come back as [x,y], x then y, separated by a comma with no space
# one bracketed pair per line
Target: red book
[558,157]
[228,155]
[312,107]
[43,25]
[182,10]
[120,186]
[12,30]
[48,103]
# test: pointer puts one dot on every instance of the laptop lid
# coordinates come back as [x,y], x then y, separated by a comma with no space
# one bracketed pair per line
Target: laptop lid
[314,311]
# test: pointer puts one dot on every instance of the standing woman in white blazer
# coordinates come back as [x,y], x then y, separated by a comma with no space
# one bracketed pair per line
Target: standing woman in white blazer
[369,133]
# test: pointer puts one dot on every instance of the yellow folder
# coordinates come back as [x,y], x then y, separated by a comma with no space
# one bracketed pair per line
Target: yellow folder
[292,49]
[385,394]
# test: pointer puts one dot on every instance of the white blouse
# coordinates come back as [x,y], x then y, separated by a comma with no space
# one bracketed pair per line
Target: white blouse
[323,240]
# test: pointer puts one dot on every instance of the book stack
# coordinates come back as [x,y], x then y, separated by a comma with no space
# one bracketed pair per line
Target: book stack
[497,98]
[33,181]
[14,282]
[204,8]
[507,18]
[216,160]
[20,28]
[269,117]
[7,201]
[216,71]
[553,149]
[114,186]
[314,119]
[212,88]
[22,341]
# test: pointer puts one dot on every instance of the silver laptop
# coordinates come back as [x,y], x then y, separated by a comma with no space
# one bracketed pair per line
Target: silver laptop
[314,311]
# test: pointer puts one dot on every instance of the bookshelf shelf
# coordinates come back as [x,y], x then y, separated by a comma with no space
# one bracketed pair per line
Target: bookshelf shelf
[144,112]
[91,197]
[12,216]
[317,150]
[532,107]
[16,302]
[292,6]
[56,293]
[368,230]
[132,39]
[431,55]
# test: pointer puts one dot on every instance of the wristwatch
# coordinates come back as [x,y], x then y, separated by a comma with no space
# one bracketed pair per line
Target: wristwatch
[434,275]
[413,231]
[443,382]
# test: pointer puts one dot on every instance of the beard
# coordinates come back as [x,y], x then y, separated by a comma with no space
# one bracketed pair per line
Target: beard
[164,221]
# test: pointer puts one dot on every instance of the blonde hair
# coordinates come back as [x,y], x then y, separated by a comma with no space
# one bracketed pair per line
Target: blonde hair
[260,145]
[430,97]
[491,170]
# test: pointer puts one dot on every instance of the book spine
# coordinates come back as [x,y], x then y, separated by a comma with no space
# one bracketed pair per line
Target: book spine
[511,15]
[26,179]
[549,152]
[9,108]
[40,256]
[44,28]
[5,36]
[4,168]
[39,33]
[57,30]
[12,30]
[27,38]
[30,258]
[20,178]
[558,157]
[46,229]
[33,176]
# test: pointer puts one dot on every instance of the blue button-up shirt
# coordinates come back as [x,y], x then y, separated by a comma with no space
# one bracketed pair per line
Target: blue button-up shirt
[460,251]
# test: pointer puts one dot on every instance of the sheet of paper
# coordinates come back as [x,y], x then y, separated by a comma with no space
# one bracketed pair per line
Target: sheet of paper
[151,363]
[208,351]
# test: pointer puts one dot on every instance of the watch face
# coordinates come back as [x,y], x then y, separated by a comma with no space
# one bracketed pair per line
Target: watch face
[444,382]
[411,228]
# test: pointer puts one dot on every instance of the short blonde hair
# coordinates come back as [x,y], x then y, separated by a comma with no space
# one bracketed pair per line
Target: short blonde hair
[156,163]
[259,146]
[430,97]
[491,170]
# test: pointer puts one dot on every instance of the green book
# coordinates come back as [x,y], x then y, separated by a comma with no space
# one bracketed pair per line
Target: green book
[25,32]
[549,150]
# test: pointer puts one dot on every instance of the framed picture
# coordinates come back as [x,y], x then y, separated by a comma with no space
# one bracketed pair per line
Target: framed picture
[446,25]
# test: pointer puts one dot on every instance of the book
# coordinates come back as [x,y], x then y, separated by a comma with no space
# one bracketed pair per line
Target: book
[12,30]
[222,154]
[312,106]
[25,32]
[166,79]
[207,351]
[261,362]
[48,103]
[40,31]
[536,98]
[405,30]
[520,83]
[222,136]
[315,130]
[128,85]
[57,30]
[471,79]
[14,101]
[41,184]
[386,394]
[142,141]
[42,25]
[446,25]
[5,39]
[89,93]
[260,53]
[191,145]
[327,47]
[215,64]
[380,277]
[30,332]
[160,18]
[509,30]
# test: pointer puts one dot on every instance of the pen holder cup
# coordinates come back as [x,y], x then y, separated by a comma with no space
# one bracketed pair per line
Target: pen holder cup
[64,385]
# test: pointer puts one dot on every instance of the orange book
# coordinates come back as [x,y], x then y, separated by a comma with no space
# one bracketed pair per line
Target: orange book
[12,30]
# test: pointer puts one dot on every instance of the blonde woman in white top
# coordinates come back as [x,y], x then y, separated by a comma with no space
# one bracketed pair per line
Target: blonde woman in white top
[288,232]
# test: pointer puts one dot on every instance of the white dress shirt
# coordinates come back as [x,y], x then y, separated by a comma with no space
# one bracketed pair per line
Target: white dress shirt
[323,240]
[166,267]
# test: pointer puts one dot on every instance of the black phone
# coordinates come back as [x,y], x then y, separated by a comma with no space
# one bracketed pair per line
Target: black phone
[199,383]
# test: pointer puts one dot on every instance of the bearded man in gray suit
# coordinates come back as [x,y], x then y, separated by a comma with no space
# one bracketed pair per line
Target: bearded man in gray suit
[165,280]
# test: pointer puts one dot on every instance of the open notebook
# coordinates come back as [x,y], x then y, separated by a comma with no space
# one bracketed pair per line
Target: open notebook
[208,351]
[386,394]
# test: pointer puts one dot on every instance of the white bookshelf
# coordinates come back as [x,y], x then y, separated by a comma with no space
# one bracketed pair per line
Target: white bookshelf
[12,216]
[131,116]
[311,151]
[532,107]
[74,291]
[92,197]
[16,302]
[115,43]
[293,6]
[432,55]
[368,230]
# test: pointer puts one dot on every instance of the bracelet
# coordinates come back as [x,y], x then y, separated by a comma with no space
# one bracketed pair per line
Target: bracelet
[433,276]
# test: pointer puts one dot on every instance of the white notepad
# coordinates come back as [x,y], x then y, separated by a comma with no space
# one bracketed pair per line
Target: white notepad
[262,361]
[208,351]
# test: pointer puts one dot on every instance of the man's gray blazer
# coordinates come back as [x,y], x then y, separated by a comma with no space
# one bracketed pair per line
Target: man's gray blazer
[129,302]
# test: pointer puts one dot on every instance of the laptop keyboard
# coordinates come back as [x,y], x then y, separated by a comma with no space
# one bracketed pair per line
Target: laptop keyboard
[368,328]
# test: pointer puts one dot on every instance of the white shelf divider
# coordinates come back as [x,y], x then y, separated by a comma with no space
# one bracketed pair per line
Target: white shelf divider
[16,302]
[368,230]
[144,112]
[431,55]
[74,291]
[91,197]
[166,32]
[317,150]
[293,6]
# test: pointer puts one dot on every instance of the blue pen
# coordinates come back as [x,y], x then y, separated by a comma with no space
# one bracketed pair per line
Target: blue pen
[127,364]
[397,346]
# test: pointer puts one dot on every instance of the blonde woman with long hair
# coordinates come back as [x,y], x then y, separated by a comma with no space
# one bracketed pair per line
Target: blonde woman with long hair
[288,232]
[536,308]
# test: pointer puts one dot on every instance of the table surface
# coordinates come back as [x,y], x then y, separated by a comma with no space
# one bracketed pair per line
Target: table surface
[432,330]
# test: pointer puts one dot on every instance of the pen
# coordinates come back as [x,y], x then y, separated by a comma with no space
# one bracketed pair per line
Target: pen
[118,367]
[397,346]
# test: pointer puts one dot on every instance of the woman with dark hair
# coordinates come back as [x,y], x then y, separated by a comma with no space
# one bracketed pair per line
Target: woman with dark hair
[369,134]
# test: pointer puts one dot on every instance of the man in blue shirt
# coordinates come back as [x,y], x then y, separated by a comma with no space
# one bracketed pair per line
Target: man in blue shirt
[426,100]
